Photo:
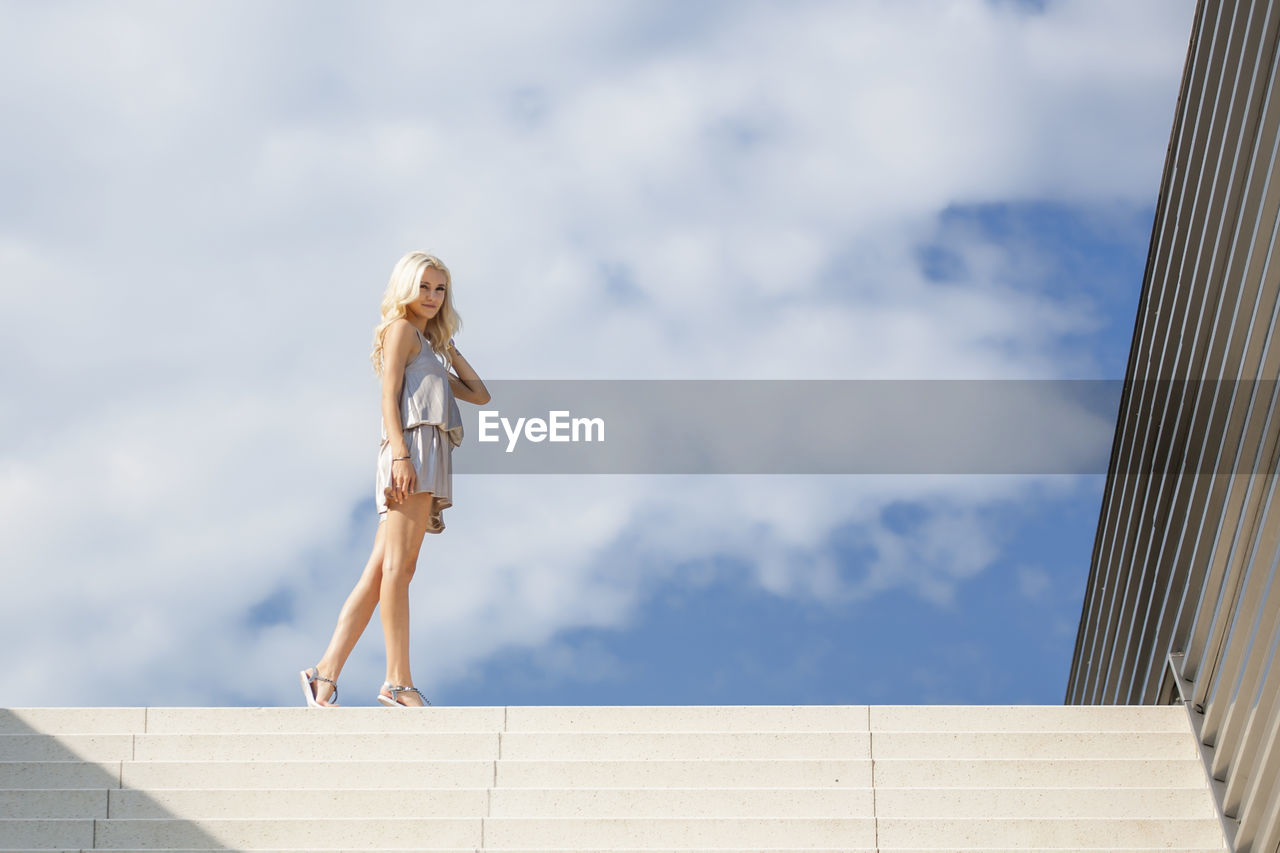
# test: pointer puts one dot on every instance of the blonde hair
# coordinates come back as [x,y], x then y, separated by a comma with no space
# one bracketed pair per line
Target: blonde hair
[403,289]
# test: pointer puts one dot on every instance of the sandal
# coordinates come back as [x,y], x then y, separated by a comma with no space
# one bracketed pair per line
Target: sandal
[309,677]
[393,701]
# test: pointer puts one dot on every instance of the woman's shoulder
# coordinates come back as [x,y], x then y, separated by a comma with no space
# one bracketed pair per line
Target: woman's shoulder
[400,326]
[401,329]
[402,337]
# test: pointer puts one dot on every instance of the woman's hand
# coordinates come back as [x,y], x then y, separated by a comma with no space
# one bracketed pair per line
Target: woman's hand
[403,480]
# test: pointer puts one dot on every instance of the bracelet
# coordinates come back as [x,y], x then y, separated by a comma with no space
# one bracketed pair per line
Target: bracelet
[398,458]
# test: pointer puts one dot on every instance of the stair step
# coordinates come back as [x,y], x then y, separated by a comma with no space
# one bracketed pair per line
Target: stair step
[1038,833]
[688,718]
[662,773]
[15,775]
[1033,745]
[1028,802]
[749,773]
[667,718]
[464,745]
[83,721]
[40,747]
[308,833]
[1049,773]
[39,834]
[201,804]
[758,833]
[589,833]
[586,745]
[774,802]
[340,746]
[580,779]
[480,802]
[910,773]
[621,746]
[54,804]
[329,720]
[1028,718]
[305,774]
[671,718]
[429,833]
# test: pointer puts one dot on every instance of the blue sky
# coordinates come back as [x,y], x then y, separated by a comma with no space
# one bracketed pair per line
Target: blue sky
[203,202]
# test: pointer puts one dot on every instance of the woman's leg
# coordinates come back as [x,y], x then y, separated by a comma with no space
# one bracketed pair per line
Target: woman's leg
[353,618]
[406,525]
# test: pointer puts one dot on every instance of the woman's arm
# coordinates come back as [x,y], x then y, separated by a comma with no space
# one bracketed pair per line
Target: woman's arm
[396,348]
[467,385]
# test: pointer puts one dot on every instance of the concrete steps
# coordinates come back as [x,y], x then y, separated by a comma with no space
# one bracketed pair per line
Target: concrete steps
[673,778]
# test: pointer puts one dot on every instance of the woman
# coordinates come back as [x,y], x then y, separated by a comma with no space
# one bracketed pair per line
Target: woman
[412,353]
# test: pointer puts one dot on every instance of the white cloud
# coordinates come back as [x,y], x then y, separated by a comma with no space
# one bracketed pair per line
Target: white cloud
[204,201]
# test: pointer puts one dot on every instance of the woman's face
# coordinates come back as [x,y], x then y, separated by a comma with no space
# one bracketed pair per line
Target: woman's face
[431,291]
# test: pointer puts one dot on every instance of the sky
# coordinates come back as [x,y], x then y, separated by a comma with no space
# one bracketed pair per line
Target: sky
[202,203]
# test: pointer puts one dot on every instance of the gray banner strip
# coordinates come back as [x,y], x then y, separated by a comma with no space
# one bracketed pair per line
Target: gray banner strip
[801,426]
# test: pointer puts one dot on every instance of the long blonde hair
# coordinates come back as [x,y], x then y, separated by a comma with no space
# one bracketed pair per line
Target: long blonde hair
[403,289]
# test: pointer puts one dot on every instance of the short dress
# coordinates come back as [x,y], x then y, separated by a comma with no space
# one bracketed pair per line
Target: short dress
[432,427]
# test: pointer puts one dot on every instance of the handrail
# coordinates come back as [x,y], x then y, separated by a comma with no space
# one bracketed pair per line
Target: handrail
[1176,690]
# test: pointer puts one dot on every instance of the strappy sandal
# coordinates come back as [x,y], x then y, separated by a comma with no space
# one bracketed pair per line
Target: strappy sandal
[309,678]
[393,701]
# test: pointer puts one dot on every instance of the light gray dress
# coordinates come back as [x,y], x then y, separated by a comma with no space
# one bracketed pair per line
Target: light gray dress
[432,427]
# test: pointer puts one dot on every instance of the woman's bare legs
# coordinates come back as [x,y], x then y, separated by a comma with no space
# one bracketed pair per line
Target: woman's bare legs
[353,618]
[409,520]
[406,525]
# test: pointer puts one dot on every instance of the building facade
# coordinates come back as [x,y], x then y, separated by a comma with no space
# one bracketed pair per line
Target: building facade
[1183,599]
